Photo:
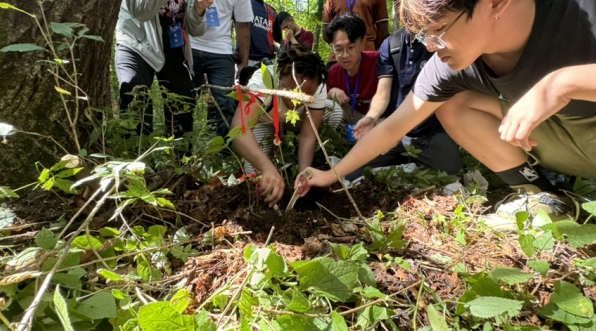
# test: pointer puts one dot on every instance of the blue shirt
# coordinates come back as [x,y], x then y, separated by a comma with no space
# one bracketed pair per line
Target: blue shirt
[412,58]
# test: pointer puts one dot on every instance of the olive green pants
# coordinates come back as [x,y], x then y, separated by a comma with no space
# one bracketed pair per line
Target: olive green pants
[566,144]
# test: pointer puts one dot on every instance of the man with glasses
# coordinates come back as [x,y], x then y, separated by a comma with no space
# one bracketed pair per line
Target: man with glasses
[352,81]
[513,82]
[373,13]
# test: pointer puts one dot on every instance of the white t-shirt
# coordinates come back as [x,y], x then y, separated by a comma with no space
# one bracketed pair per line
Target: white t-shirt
[218,39]
[320,96]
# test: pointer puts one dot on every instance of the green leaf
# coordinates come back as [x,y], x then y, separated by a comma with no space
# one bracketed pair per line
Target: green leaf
[161,316]
[6,192]
[165,203]
[68,173]
[299,303]
[520,218]
[372,293]
[4,5]
[180,300]
[590,262]
[62,310]
[332,279]
[100,305]
[46,239]
[487,287]
[64,29]
[65,185]
[109,232]
[221,300]
[93,37]
[276,264]
[511,276]
[341,251]
[266,75]
[66,280]
[590,207]
[394,239]
[110,275]
[204,322]
[157,231]
[552,311]
[545,242]
[540,267]
[62,91]
[215,145]
[118,294]
[365,275]
[339,323]
[86,242]
[489,307]
[21,48]
[437,321]
[569,298]
[580,235]
[526,241]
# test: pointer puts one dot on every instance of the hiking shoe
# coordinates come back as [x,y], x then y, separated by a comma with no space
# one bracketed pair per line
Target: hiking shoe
[556,207]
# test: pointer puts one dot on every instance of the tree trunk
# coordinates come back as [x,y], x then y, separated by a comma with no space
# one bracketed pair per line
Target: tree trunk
[29,100]
[319,16]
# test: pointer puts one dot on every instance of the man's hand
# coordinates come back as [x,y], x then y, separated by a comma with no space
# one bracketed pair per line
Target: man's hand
[272,186]
[289,34]
[202,5]
[363,126]
[240,67]
[339,95]
[539,103]
[319,178]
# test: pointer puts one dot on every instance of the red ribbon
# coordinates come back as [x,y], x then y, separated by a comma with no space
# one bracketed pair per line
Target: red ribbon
[239,91]
[245,110]
[276,119]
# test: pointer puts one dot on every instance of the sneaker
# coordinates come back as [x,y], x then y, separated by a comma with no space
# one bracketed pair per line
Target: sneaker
[558,208]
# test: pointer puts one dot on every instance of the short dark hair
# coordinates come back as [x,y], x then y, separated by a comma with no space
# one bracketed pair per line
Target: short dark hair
[417,14]
[350,23]
[282,16]
[305,62]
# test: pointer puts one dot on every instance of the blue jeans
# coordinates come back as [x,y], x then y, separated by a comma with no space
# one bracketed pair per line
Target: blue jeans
[220,71]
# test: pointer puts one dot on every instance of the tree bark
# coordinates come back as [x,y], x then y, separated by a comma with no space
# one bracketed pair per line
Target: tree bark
[29,100]
[319,16]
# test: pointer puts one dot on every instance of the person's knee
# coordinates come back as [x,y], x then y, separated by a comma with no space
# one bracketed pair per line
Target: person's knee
[449,112]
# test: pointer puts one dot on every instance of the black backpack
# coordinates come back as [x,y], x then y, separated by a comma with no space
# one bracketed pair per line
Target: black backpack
[395,42]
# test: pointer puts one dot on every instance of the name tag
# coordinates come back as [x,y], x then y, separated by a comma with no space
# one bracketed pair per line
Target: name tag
[175,33]
[212,16]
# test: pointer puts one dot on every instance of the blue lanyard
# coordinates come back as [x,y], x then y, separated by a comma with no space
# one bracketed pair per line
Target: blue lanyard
[355,94]
[174,13]
[351,4]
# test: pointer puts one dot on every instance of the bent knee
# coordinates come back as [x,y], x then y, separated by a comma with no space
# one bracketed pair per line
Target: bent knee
[460,105]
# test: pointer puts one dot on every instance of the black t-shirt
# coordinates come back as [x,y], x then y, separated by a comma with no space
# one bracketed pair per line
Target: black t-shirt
[563,35]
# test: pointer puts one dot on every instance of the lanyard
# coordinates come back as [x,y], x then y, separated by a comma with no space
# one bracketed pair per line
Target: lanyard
[355,94]
[351,4]
[172,12]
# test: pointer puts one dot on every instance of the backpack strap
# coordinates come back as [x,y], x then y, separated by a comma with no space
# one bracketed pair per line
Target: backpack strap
[395,43]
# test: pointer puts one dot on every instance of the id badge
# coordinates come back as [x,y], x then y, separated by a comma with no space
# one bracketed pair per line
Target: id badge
[212,16]
[350,133]
[175,33]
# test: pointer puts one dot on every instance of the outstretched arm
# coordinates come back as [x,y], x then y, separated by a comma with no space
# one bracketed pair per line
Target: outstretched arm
[383,137]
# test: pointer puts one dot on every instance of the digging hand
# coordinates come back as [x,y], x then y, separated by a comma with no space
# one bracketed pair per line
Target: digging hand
[272,186]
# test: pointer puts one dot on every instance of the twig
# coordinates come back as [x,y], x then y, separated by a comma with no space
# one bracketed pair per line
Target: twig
[423,191]
[25,323]
[314,128]
[287,94]
[215,101]
[140,296]
[417,303]
[44,136]
[250,269]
